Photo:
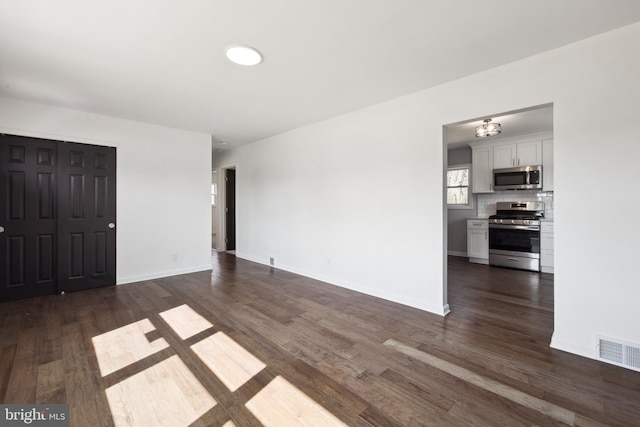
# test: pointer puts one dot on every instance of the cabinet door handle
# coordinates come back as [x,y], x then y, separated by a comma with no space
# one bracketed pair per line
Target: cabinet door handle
[485,235]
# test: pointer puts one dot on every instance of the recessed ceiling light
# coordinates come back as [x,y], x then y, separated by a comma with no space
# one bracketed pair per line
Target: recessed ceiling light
[243,55]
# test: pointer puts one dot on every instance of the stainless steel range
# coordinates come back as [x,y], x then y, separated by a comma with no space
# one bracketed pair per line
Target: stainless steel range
[514,235]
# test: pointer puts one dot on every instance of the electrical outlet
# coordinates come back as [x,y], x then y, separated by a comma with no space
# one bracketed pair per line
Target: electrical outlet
[272,261]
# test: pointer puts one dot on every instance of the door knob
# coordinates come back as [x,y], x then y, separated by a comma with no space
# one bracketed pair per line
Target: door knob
[112,225]
[1,229]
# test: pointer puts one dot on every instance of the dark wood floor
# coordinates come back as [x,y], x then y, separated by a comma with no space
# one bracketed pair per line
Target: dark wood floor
[365,360]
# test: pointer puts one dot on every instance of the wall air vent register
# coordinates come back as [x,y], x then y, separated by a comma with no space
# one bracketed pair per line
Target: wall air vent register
[619,353]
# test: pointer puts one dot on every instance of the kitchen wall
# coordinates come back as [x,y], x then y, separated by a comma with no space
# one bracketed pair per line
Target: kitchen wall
[457,218]
[163,185]
[358,200]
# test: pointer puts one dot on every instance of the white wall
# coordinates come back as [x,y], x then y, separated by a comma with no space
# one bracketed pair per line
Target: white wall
[328,202]
[163,185]
[358,200]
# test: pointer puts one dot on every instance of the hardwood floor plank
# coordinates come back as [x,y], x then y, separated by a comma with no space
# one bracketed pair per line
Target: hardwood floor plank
[24,373]
[401,405]
[419,391]
[376,417]
[50,383]
[7,359]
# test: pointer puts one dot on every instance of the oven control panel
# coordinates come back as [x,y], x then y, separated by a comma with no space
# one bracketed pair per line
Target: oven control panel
[515,221]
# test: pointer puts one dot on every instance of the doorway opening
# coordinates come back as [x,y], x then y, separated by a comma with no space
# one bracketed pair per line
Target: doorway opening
[214,210]
[470,267]
[226,211]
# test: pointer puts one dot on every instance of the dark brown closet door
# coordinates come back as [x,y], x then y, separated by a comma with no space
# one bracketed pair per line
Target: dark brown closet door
[57,216]
[28,220]
[87,211]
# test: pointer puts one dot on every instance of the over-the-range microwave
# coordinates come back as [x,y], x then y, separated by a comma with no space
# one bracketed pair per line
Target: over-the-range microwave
[518,178]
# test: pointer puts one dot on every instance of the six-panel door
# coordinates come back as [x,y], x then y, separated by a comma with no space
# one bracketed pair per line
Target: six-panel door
[86,209]
[58,200]
[28,245]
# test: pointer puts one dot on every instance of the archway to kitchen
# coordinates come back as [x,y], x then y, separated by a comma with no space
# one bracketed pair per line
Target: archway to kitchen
[473,289]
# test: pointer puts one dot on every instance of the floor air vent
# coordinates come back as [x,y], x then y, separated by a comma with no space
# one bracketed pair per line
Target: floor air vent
[619,353]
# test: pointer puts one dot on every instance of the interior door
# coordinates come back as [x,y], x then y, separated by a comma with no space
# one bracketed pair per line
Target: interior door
[28,220]
[230,208]
[57,216]
[87,211]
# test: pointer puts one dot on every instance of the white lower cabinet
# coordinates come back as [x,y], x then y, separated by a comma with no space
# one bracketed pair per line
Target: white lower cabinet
[478,240]
[546,247]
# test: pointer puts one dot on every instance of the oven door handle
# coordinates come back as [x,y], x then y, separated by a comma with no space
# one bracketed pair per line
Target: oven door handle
[515,227]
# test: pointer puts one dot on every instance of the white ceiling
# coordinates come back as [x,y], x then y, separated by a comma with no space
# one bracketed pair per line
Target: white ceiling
[162,61]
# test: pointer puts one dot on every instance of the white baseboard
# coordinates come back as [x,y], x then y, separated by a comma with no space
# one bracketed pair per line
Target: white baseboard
[161,274]
[457,253]
[439,310]
[571,347]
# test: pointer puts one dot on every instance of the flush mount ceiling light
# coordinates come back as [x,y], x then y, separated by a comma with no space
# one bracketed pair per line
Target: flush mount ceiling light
[243,55]
[488,129]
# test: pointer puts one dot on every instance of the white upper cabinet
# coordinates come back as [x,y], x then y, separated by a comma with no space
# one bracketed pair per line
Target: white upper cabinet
[529,153]
[521,154]
[523,151]
[482,169]
[504,156]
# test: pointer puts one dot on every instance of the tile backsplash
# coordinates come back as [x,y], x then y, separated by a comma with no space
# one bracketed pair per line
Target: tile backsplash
[487,202]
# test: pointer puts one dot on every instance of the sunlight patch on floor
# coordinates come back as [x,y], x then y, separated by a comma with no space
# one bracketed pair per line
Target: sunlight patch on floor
[280,403]
[166,394]
[169,394]
[228,360]
[185,321]
[124,346]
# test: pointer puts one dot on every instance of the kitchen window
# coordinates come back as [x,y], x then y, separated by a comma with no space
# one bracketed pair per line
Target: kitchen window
[458,185]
